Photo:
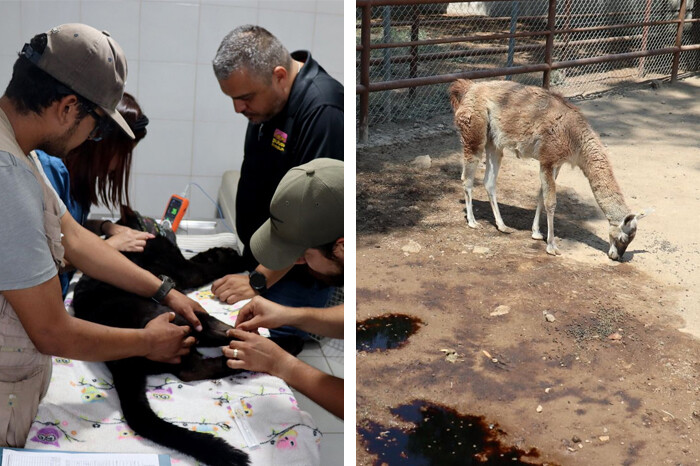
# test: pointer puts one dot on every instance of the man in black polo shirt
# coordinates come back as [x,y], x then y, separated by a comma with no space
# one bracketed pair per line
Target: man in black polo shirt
[295,113]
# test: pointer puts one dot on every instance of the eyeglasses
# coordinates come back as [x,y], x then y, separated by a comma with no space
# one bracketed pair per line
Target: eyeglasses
[102,126]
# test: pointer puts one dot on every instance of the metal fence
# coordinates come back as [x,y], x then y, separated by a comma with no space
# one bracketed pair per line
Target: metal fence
[408,51]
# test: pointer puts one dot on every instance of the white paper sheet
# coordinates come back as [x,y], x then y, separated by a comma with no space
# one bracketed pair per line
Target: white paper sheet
[30,458]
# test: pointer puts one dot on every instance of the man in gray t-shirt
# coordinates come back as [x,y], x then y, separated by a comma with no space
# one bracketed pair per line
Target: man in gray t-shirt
[64,90]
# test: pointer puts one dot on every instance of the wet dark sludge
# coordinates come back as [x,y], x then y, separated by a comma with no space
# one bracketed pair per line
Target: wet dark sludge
[385,332]
[441,436]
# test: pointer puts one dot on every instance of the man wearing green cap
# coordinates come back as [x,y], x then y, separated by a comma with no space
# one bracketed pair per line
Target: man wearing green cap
[305,227]
[64,90]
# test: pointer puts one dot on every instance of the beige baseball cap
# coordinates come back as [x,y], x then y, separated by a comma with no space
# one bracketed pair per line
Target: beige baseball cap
[87,61]
[306,212]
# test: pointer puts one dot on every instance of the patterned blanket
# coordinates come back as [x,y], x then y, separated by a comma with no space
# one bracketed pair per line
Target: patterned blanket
[252,411]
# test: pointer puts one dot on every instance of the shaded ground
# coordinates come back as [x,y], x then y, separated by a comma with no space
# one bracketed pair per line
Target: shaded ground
[630,400]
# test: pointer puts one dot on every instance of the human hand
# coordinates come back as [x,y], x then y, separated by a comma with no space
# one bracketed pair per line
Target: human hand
[168,342]
[255,353]
[261,312]
[233,288]
[129,240]
[184,306]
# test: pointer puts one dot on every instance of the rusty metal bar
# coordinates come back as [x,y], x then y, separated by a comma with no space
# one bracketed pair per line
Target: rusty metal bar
[551,23]
[363,3]
[481,19]
[519,34]
[397,59]
[431,56]
[679,38]
[617,26]
[446,78]
[363,130]
[453,40]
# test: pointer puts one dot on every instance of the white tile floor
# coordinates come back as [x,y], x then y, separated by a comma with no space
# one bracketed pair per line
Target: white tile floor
[328,357]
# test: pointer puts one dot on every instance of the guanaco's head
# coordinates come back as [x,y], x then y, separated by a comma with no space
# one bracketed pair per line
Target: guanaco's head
[621,236]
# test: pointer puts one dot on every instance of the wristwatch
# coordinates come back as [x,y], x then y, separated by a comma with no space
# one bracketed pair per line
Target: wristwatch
[165,287]
[258,282]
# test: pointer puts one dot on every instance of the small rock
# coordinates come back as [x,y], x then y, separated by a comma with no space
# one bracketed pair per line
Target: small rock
[500,311]
[422,161]
[615,336]
[480,250]
[547,390]
[576,439]
[604,438]
[549,317]
[655,84]
[412,247]
[539,408]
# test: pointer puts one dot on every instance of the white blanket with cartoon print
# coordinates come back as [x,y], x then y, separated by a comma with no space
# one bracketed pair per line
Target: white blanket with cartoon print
[81,410]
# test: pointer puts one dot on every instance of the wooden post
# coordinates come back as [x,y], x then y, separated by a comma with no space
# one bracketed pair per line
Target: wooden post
[679,39]
[364,71]
[415,30]
[511,42]
[695,33]
[645,36]
[551,22]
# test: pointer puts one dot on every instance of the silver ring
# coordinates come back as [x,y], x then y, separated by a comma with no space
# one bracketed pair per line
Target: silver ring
[235,353]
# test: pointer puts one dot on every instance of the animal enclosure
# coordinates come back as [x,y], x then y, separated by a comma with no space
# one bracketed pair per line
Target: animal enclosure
[408,51]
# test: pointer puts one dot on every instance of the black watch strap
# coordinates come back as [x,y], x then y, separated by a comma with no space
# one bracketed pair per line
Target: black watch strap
[258,282]
[165,287]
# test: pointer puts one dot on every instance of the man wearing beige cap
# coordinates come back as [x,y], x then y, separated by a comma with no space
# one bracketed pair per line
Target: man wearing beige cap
[64,90]
[305,227]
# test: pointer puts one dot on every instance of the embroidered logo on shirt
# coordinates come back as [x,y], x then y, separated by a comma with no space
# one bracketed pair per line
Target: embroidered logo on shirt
[279,140]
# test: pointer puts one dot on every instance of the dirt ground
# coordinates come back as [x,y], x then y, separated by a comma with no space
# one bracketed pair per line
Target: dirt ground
[633,399]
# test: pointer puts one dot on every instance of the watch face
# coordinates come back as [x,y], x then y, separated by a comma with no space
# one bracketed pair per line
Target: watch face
[258,281]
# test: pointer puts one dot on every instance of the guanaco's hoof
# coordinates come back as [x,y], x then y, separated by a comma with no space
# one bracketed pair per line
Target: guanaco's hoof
[553,250]
[505,229]
[537,235]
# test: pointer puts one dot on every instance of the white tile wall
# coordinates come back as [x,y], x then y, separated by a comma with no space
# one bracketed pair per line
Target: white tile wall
[194,133]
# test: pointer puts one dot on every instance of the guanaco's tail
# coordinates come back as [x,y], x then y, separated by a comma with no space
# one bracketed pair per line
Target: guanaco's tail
[457,91]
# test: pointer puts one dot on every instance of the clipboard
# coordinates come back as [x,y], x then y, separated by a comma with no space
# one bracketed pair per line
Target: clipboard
[163,460]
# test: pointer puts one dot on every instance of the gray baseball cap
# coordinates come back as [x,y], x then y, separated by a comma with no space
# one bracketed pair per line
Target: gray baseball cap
[87,61]
[306,212]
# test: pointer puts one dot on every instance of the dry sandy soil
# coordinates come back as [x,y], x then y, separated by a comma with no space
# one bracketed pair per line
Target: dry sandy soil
[633,400]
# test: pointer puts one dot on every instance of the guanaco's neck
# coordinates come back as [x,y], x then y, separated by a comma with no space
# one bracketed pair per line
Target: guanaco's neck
[595,164]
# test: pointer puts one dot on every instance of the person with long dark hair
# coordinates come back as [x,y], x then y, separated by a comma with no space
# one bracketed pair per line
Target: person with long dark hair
[97,172]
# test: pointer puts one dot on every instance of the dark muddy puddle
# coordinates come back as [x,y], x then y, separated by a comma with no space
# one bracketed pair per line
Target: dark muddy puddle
[385,332]
[441,436]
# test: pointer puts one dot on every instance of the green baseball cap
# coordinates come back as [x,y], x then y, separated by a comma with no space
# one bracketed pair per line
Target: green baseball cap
[87,61]
[306,212]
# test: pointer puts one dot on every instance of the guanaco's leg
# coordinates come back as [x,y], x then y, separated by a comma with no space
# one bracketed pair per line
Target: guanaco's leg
[549,197]
[493,164]
[469,164]
[536,233]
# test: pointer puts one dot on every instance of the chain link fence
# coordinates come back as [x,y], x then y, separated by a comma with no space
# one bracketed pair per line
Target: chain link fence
[417,40]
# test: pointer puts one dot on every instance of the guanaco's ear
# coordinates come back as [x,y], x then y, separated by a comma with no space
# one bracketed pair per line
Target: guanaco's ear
[629,225]
[645,212]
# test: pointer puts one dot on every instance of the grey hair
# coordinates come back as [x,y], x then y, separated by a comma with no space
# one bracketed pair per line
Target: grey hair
[252,48]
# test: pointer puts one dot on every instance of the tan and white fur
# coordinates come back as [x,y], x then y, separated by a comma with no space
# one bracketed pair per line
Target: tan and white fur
[493,116]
